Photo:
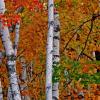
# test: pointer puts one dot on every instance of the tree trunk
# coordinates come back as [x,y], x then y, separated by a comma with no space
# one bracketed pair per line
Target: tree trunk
[56,55]
[15,53]
[1,94]
[24,86]
[49,54]
[16,37]
[10,57]
[93,53]
[9,95]
[30,71]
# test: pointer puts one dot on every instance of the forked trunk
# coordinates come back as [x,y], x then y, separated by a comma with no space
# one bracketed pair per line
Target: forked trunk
[10,56]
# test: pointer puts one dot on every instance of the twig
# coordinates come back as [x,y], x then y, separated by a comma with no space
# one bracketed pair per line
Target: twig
[88,56]
[83,53]
[20,53]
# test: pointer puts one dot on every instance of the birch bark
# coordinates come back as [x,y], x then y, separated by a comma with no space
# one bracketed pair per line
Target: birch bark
[56,54]
[49,54]
[1,94]
[10,56]
[24,86]
[16,37]
[9,95]
[15,52]
[93,53]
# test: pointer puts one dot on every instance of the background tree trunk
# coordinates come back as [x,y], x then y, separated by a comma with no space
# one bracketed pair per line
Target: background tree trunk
[56,55]
[1,94]
[24,86]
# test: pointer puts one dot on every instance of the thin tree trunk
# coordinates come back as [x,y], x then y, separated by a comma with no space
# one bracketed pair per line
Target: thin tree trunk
[30,71]
[49,54]
[10,57]
[16,37]
[24,86]
[56,54]
[1,94]
[93,53]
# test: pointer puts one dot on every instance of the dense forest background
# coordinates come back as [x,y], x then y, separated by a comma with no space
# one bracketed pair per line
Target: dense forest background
[79,69]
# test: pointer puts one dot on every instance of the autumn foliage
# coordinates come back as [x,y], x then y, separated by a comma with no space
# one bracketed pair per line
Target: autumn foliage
[74,33]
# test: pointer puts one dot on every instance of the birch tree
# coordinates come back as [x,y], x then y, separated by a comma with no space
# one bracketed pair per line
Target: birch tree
[9,94]
[49,54]
[24,86]
[56,55]
[17,26]
[10,56]
[1,94]
[16,37]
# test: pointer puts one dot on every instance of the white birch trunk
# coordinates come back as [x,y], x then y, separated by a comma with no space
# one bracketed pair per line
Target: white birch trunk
[1,94]
[24,79]
[10,57]
[15,53]
[56,54]
[16,37]
[9,95]
[49,54]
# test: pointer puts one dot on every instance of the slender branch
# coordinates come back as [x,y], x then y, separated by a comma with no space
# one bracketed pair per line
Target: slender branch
[75,33]
[20,53]
[83,53]
[93,18]
[88,56]
[87,38]
[40,73]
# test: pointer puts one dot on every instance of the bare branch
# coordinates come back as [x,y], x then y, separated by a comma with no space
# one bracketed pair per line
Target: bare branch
[79,27]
